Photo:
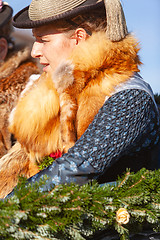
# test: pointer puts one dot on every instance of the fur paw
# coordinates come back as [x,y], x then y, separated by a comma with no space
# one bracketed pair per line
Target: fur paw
[63,76]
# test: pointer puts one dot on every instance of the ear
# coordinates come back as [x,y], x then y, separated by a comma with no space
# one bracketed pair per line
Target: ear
[80,35]
[3,48]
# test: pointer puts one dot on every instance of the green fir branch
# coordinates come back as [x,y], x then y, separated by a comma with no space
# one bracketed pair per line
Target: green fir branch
[45,162]
[70,211]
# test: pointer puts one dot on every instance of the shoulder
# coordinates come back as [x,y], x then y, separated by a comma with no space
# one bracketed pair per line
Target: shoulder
[134,89]
[129,107]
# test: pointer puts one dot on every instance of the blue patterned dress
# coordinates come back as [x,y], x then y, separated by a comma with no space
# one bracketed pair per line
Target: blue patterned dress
[124,134]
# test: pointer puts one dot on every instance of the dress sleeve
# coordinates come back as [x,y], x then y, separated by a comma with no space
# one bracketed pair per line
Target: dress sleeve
[127,122]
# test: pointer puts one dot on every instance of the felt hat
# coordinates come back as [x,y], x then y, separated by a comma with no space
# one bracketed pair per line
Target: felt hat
[5,13]
[42,12]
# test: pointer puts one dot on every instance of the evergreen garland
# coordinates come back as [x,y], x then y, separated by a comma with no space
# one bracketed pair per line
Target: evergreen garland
[45,162]
[71,211]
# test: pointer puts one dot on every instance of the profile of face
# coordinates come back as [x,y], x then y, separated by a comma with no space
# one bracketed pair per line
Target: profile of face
[3,49]
[52,46]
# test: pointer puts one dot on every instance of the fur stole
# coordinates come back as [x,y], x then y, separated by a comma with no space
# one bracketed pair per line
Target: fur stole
[12,165]
[59,108]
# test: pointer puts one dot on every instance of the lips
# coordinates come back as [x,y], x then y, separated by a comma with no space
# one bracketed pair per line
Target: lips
[45,66]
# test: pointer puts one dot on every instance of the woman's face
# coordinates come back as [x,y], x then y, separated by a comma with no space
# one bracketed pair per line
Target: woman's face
[51,47]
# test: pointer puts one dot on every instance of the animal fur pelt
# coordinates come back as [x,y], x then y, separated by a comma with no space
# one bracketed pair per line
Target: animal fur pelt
[9,173]
[14,74]
[59,108]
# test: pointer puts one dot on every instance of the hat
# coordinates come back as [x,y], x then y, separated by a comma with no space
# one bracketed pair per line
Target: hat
[5,13]
[42,12]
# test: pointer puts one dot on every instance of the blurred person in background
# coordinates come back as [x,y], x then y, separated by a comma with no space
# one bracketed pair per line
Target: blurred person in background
[16,66]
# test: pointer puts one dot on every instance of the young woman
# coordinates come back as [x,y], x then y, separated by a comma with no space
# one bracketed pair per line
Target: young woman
[90,103]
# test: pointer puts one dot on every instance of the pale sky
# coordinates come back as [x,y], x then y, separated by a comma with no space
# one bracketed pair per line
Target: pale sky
[143,19]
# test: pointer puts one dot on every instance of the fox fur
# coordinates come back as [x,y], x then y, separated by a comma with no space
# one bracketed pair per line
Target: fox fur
[54,111]
[14,74]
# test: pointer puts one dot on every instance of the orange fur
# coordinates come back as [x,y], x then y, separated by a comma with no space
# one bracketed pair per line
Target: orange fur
[56,111]
[19,165]
[14,74]
[100,65]
[36,119]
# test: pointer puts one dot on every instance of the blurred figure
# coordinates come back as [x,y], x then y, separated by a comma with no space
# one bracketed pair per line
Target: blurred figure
[16,66]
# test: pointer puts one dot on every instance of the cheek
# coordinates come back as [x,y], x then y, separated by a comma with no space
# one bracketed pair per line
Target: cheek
[51,50]
[56,51]
[47,50]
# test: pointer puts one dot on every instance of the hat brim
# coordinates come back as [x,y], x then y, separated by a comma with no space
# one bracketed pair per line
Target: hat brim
[5,15]
[22,20]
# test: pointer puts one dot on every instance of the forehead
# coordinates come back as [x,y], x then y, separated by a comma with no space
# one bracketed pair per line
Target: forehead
[44,30]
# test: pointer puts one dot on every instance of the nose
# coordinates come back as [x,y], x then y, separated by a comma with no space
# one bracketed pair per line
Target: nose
[36,50]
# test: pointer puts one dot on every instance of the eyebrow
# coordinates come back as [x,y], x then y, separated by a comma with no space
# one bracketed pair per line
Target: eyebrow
[37,35]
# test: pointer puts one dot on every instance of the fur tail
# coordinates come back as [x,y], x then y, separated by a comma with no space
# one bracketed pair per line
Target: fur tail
[12,165]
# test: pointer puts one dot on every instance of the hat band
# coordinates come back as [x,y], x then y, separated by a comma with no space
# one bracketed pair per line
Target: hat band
[39,9]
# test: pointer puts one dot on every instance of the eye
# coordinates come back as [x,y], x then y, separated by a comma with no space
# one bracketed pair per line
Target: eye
[40,40]
[43,40]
